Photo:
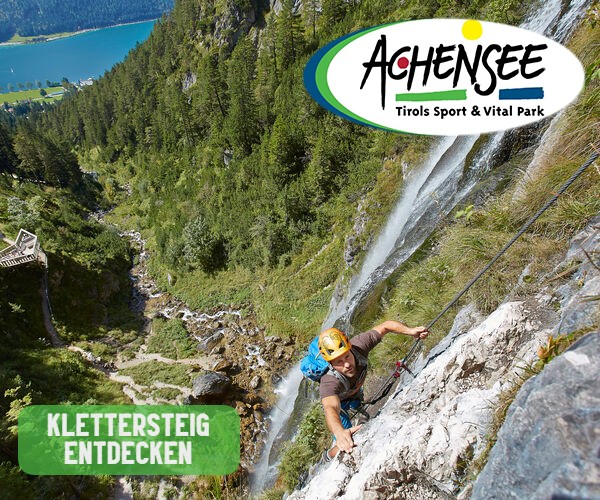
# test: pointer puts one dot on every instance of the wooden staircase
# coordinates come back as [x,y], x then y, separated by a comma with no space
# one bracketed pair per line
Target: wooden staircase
[25,249]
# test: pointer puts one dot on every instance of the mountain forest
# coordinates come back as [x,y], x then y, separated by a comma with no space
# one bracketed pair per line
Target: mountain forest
[247,194]
[28,18]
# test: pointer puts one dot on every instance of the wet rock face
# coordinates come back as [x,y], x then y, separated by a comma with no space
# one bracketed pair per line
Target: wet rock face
[427,433]
[352,245]
[551,433]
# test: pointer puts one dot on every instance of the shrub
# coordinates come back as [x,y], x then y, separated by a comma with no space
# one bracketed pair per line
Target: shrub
[171,339]
[155,371]
[312,438]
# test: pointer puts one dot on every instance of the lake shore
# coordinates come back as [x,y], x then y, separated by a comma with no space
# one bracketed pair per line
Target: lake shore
[57,36]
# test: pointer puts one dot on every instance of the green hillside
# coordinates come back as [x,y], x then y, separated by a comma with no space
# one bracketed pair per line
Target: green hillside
[236,176]
[43,191]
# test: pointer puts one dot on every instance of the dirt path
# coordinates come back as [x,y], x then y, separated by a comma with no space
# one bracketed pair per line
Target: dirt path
[204,363]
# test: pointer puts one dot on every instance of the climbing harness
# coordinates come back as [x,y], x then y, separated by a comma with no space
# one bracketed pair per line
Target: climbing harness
[417,345]
[384,390]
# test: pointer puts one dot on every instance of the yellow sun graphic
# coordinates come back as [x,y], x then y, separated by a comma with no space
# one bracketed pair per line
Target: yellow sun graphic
[472,29]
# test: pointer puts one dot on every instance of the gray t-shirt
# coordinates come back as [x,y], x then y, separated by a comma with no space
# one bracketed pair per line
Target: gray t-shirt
[330,385]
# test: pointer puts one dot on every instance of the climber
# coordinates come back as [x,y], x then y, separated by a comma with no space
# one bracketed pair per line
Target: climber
[341,387]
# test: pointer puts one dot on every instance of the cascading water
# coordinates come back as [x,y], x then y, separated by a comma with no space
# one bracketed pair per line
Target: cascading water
[426,197]
[282,426]
[429,193]
[556,18]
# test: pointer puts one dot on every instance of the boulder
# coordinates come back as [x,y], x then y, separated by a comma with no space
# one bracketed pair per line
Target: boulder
[222,365]
[207,343]
[241,408]
[210,384]
[548,445]
[255,382]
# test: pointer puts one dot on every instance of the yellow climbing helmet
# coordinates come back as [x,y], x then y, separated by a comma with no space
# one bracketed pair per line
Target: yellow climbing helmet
[333,343]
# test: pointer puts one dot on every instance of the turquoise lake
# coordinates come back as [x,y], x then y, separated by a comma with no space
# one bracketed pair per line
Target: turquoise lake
[77,57]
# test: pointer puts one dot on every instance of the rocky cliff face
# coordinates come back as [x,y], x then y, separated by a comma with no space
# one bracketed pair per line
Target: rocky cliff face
[551,436]
[424,438]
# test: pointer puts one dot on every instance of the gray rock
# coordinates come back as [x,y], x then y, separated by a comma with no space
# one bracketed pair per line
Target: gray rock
[438,421]
[588,240]
[549,443]
[350,250]
[217,350]
[255,382]
[222,365]
[210,384]
[276,6]
[189,80]
[207,343]
[578,313]
[352,245]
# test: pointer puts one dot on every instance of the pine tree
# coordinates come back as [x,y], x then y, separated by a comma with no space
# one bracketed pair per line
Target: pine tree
[311,12]
[45,159]
[333,12]
[267,75]
[241,124]
[289,34]
[7,155]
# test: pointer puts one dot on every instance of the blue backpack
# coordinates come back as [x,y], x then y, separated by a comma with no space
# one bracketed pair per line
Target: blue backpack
[313,365]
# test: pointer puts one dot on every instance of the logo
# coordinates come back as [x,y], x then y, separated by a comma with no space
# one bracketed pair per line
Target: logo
[129,440]
[444,77]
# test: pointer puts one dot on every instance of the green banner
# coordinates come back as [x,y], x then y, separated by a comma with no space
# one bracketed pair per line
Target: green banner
[129,440]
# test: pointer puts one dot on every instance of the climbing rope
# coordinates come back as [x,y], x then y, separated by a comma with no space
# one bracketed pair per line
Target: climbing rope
[403,364]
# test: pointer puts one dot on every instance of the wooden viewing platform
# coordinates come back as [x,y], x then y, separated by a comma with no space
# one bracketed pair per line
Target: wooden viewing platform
[25,249]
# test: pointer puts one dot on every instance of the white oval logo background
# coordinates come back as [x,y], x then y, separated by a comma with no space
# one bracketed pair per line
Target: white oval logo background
[335,74]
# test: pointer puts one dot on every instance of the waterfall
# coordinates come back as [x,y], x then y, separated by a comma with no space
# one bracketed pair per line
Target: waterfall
[428,194]
[281,429]
[426,197]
